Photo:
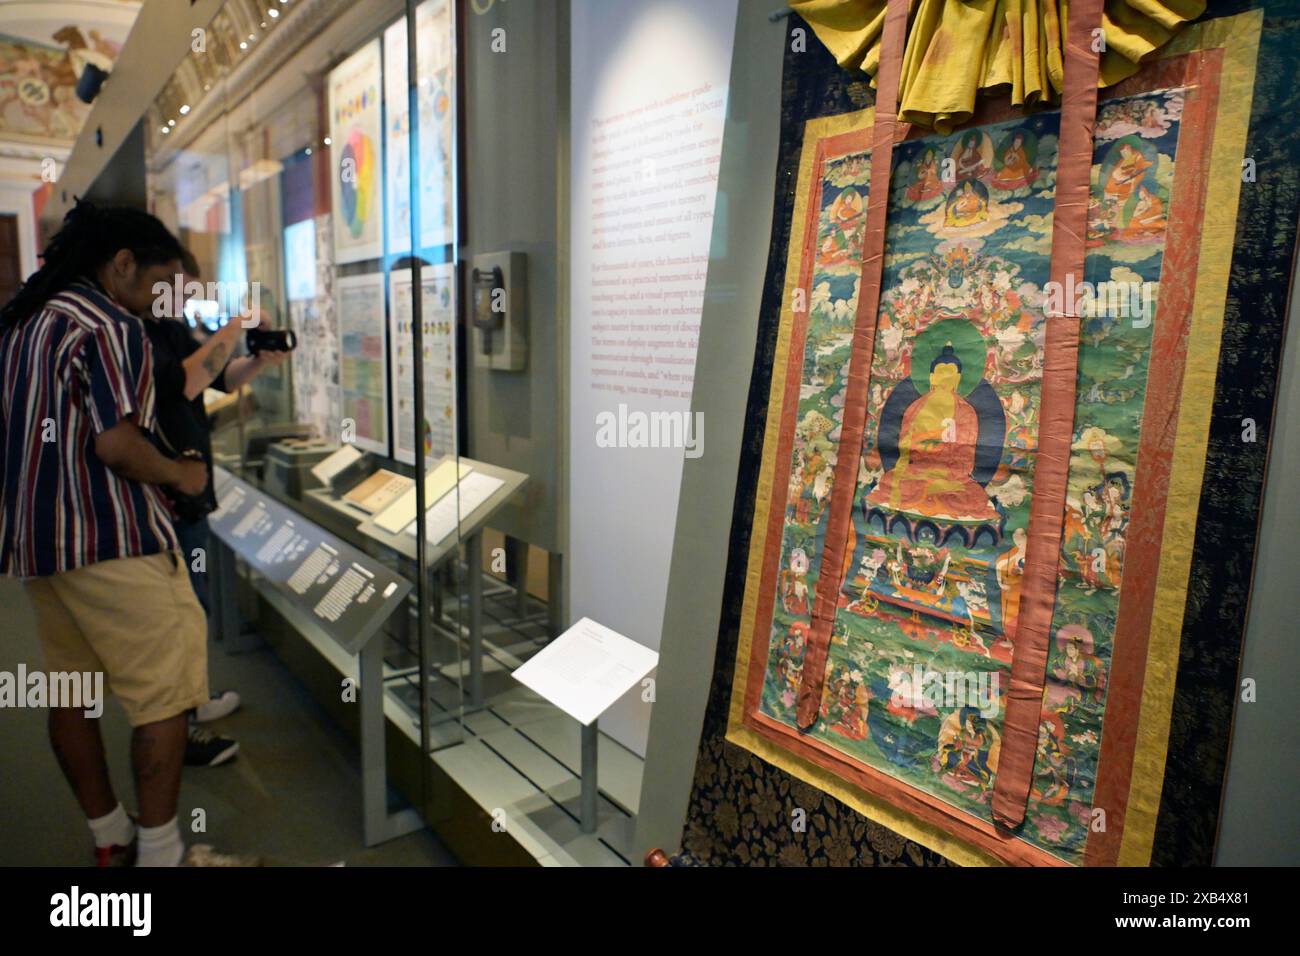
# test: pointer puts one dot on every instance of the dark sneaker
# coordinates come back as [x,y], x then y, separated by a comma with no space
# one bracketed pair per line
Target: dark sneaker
[218,706]
[206,749]
[114,856]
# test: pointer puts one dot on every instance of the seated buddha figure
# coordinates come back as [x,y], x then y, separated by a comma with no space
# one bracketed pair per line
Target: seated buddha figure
[1015,171]
[936,454]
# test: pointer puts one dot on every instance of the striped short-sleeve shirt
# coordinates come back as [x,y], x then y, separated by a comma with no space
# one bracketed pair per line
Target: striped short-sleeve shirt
[68,373]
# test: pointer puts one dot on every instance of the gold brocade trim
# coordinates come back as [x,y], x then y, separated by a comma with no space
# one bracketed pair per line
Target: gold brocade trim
[956,50]
[1239,38]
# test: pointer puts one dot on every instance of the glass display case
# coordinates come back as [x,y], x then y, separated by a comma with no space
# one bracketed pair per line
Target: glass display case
[288,176]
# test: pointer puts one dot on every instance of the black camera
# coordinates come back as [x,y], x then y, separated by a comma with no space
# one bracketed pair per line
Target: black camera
[270,340]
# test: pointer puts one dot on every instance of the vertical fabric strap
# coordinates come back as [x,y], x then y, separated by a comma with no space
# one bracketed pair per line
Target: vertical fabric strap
[1056,419]
[844,488]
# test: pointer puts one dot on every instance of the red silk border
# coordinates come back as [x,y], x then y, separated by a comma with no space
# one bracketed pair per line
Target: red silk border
[826,603]
[1056,422]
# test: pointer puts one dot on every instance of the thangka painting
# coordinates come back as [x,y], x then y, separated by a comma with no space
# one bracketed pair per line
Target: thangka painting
[909,730]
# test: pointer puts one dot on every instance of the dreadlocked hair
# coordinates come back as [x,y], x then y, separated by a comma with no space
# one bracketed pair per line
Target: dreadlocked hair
[91,235]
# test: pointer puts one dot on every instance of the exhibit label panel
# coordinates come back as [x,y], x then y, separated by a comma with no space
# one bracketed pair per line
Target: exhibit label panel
[356,128]
[649,89]
[347,593]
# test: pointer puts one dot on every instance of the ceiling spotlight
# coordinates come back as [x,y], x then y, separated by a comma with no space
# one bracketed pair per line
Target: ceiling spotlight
[308,150]
[243,46]
[185,108]
[328,141]
[171,122]
[273,13]
[206,87]
[263,24]
[166,130]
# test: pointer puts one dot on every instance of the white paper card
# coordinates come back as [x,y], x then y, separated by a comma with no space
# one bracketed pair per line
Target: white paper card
[586,669]
[326,469]
[441,519]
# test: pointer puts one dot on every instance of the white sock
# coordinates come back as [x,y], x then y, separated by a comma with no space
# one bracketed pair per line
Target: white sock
[113,829]
[160,846]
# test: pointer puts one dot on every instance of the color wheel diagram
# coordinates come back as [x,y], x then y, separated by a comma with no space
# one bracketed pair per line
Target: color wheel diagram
[357,181]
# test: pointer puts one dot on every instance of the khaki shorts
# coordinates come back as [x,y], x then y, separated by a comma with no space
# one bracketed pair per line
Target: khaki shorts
[136,620]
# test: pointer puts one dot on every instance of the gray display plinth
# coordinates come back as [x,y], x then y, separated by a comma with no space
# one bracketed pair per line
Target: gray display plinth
[319,584]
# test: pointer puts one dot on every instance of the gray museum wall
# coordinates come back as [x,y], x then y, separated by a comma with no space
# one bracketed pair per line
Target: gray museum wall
[1260,822]
[728,331]
[513,180]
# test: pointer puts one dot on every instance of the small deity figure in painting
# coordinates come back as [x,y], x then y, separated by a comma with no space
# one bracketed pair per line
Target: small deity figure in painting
[1148,222]
[844,236]
[937,444]
[1016,169]
[927,184]
[970,158]
[968,748]
[789,662]
[1074,662]
[1125,175]
[967,205]
[849,705]
[794,584]
[1053,766]
[1114,500]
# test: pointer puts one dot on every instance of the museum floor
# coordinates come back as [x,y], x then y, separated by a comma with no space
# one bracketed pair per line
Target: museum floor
[293,794]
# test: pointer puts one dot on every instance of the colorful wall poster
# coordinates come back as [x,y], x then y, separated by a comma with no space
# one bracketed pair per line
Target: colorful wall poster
[438,323]
[436,79]
[363,378]
[356,156]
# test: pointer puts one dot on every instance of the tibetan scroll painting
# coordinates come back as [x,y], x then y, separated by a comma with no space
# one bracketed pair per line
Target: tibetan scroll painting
[924,633]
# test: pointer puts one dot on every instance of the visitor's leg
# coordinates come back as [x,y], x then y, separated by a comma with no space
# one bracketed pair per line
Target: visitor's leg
[157,752]
[80,751]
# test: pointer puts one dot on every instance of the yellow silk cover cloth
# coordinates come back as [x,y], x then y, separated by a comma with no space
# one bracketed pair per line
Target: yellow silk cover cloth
[958,48]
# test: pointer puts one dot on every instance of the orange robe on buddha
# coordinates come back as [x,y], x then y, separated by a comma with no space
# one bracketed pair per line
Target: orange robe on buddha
[932,477]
